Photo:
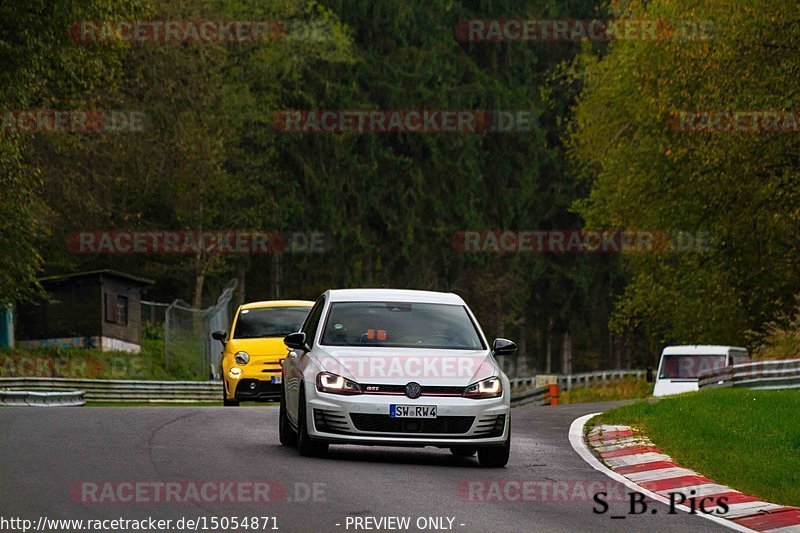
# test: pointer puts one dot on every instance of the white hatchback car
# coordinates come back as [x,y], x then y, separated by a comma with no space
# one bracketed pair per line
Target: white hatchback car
[395,368]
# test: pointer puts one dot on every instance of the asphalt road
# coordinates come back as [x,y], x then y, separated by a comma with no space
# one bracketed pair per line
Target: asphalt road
[87,463]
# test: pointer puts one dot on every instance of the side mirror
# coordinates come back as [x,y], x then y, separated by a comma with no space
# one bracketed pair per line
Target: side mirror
[296,341]
[503,347]
[649,374]
[220,336]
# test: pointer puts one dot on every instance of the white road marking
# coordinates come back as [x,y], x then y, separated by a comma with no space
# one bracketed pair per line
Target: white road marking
[639,458]
[663,473]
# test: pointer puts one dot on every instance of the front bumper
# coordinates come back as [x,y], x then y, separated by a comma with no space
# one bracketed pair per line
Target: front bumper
[364,419]
[254,390]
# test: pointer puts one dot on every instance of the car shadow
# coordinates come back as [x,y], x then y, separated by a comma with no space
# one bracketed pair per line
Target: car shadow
[389,455]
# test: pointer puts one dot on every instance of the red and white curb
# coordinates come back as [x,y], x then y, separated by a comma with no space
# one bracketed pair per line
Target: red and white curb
[633,460]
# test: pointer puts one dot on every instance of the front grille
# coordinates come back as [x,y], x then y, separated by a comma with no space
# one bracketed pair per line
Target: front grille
[491,426]
[330,421]
[450,391]
[401,389]
[385,424]
[384,389]
[262,390]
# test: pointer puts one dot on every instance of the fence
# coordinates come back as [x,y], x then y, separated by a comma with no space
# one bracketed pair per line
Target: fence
[784,374]
[187,335]
[154,312]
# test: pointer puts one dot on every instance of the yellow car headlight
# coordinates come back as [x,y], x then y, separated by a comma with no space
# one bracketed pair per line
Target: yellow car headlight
[241,358]
[235,372]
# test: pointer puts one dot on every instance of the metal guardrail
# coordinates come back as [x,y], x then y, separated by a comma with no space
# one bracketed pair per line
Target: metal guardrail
[567,382]
[42,399]
[103,390]
[524,390]
[523,383]
[547,395]
[782,374]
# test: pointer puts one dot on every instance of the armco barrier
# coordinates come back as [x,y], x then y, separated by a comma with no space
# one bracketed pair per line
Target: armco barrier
[568,381]
[782,374]
[524,390]
[547,395]
[42,399]
[102,390]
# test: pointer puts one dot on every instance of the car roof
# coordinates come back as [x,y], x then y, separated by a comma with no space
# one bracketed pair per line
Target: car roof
[277,303]
[393,295]
[701,349]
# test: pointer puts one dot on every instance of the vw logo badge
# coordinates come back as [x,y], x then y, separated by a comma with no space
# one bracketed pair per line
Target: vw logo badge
[413,390]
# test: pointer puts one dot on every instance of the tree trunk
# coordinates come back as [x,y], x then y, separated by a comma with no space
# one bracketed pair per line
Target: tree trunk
[241,270]
[548,367]
[277,276]
[199,281]
[566,354]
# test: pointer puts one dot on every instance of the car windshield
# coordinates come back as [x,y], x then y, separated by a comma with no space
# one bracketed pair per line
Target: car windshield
[401,324]
[269,322]
[689,366]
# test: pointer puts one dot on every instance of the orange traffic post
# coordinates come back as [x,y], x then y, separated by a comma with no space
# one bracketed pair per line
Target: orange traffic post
[553,393]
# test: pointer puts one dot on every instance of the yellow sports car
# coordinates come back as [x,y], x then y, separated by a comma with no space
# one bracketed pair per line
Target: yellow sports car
[252,356]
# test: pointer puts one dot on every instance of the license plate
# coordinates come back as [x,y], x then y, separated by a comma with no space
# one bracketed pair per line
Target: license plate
[276,379]
[412,411]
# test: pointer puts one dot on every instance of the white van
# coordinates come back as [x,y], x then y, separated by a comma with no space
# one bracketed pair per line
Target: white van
[680,365]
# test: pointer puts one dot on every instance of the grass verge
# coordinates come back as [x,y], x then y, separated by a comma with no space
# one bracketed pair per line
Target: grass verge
[95,364]
[606,391]
[746,439]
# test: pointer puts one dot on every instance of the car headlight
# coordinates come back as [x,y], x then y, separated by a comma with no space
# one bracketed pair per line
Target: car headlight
[488,388]
[241,358]
[333,383]
[235,372]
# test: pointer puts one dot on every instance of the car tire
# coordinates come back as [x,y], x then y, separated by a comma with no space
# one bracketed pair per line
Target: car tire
[226,402]
[463,451]
[305,444]
[286,434]
[495,456]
